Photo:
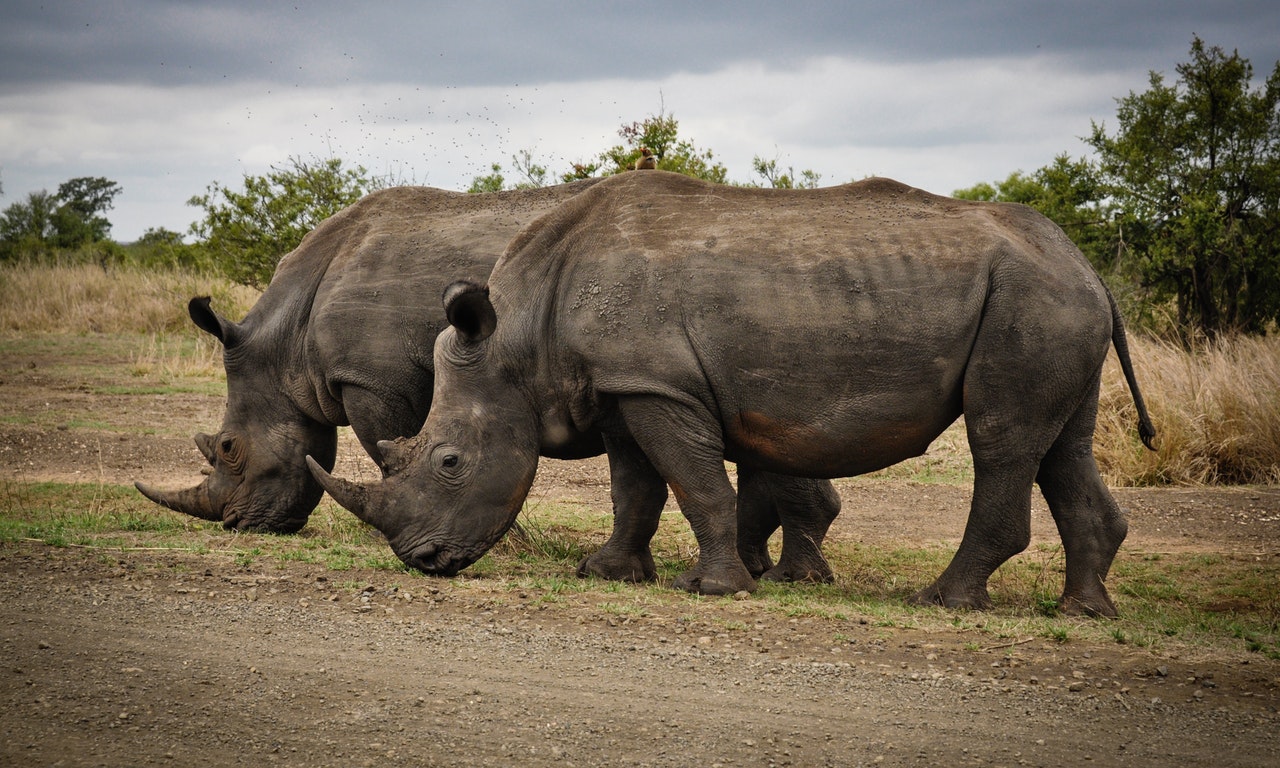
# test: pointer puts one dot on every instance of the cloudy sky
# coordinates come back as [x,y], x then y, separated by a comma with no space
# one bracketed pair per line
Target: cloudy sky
[165,97]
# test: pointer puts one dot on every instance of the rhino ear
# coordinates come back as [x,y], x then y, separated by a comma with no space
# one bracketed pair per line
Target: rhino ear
[207,320]
[467,306]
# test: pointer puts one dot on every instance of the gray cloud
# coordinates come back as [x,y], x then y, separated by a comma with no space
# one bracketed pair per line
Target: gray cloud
[484,42]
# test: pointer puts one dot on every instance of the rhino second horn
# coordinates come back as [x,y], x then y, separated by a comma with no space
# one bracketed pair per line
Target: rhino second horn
[190,501]
[205,444]
[352,497]
[390,451]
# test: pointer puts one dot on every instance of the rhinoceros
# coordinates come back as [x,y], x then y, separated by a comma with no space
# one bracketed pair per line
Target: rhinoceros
[340,337]
[825,333]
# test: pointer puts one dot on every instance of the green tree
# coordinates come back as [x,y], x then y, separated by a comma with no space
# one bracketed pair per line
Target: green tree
[780,179]
[1072,194]
[160,248]
[660,134]
[80,218]
[534,175]
[247,232]
[26,227]
[1194,169]
[490,182]
[70,218]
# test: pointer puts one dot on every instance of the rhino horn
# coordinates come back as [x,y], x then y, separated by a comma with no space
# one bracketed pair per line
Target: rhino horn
[190,501]
[353,497]
[391,452]
[205,444]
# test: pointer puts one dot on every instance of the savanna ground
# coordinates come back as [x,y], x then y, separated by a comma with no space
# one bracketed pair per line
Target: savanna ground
[133,636]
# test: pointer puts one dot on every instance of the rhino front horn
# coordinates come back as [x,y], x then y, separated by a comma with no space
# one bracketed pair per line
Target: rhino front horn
[353,497]
[190,501]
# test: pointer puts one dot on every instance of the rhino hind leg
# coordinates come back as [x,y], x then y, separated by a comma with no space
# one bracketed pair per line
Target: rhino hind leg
[758,518]
[1007,440]
[1091,524]
[998,528]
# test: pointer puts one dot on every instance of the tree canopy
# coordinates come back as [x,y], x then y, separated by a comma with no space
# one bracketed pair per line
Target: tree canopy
[1194,172]
[70,218]
[248,231]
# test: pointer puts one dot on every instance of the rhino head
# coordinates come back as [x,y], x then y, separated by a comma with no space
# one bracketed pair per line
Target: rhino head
[258,478]
[451,491]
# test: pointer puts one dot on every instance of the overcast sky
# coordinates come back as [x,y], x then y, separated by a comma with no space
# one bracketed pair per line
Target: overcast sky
[167,97]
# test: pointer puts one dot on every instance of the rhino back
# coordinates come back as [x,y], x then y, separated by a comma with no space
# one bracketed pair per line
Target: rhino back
[845,312]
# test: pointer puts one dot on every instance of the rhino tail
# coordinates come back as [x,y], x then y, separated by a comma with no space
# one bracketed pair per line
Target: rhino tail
[1146,430]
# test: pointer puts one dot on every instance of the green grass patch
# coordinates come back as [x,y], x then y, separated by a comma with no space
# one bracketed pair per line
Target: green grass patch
[1168,601]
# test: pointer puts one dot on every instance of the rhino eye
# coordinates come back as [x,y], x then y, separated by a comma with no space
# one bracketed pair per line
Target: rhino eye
[227,445]
[451,460]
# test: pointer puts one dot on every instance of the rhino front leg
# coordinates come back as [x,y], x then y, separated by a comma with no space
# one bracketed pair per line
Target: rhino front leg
[639,495]
[804,507]
[375,417]
[687,450]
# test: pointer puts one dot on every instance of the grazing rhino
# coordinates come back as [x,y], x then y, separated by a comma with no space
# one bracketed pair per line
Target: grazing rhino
[825,332]
[341,337]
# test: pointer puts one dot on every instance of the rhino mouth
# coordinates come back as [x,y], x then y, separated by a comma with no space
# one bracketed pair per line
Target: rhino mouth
[436,560]
[233,522]
[247,520]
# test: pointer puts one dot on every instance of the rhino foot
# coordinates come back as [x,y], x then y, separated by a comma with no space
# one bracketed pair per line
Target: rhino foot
[810,573]
[634,567]
[972,598]
[725,580]
[1093,606]
[757,561]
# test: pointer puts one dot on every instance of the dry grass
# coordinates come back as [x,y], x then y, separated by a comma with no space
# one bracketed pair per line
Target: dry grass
[1216,411]
[168,357]
[87,299]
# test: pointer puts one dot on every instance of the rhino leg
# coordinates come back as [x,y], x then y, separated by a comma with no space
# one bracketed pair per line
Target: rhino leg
[687,449]
[805,508]
[1021,403]
[998,528]
[1091,524]
[639,494]
[758,518]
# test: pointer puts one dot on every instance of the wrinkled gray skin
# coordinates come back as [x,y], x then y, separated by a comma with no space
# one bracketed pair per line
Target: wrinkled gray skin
[830,332]
[341,337]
